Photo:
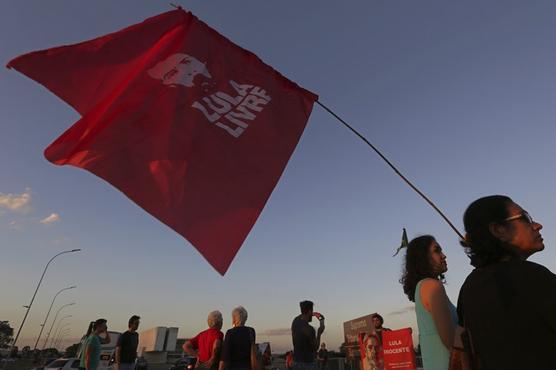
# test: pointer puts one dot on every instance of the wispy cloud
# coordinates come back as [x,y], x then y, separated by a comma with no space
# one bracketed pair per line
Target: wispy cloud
[61,241]
[403,311]
[54,217]
[16,202]
[276,332]
[14,225]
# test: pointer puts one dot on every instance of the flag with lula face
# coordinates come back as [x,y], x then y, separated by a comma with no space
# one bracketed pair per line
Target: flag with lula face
[191,127]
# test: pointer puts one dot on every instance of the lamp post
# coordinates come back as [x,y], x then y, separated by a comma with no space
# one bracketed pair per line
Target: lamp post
[54,332]
[57,333]
[48,313]
[60,336]
[33,299]
[54,343]
[53,321]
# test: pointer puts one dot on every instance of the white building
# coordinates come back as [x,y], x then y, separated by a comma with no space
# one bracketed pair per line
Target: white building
[155,343]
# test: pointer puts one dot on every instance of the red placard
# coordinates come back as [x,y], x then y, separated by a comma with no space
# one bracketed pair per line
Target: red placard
[398,350]
[370,351]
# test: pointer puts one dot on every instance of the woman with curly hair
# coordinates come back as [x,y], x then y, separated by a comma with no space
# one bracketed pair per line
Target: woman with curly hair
[423,283]
[507,304]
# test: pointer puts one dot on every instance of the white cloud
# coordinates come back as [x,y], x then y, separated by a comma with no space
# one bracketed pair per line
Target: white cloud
[403,311]
[16,202]
[276,332]
[61,241]
[54,217]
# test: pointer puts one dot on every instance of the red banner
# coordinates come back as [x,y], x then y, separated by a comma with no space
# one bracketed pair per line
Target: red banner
[194,129]
[397,348]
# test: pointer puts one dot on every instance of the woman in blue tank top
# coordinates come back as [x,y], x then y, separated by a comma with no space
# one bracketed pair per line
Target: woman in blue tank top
[423,283]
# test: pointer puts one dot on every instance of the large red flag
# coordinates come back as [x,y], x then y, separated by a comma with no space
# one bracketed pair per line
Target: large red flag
[191,127]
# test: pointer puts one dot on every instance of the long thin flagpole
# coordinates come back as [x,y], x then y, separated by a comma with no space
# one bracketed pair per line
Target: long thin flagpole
[430,202]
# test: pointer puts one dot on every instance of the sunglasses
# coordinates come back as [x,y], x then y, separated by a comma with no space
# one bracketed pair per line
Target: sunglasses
[523,215]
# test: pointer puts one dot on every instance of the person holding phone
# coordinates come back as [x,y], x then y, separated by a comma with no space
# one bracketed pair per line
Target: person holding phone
[92,345]
[305,341]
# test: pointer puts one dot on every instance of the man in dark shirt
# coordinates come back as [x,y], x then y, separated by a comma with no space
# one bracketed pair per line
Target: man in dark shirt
[378,321]
[126,348]
[322,357]
[305,342]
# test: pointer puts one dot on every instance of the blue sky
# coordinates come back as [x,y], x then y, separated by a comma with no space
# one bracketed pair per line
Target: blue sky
[459,95]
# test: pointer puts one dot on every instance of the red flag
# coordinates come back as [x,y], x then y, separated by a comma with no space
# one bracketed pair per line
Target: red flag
[191,127]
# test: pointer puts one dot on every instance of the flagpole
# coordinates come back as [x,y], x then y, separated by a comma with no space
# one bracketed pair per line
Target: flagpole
[430,202]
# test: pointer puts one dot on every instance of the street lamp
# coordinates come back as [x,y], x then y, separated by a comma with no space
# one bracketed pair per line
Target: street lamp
[53,321]
[57,333]
[33,298]
[56,340]
[61,336]
[48,313]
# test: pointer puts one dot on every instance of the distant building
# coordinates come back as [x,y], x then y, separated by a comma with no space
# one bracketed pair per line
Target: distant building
[178,351]
[156,343]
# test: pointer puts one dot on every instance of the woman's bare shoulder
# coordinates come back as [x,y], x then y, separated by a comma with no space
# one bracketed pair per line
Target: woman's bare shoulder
[430,285]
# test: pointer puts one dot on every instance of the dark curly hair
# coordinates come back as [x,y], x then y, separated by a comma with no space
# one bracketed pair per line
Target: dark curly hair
[379,317]
[481,246]
[418,265]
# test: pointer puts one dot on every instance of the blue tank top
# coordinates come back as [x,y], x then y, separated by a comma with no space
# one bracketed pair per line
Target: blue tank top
[435,355]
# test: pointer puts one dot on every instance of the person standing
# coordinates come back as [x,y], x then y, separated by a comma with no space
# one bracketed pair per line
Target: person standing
[239,348]
[289,360]
[507,304]
[322,357]
[305,341]
[126,348]
[207,344]
[90,357]
[378,323]
[422,281]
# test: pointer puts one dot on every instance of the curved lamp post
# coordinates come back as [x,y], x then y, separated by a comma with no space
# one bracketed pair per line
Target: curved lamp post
[53,321]
[48,313]
[61,336]
[33,299]
[57,332]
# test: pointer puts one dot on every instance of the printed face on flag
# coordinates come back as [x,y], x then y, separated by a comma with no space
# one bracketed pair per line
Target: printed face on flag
[194,129]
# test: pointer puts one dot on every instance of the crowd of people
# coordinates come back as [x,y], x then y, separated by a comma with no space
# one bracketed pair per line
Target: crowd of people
[504,319]
[505,315]
[237,349]
[126,348]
